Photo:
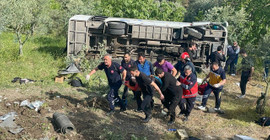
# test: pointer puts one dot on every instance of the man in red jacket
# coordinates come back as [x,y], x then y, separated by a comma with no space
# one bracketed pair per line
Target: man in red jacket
[189,83]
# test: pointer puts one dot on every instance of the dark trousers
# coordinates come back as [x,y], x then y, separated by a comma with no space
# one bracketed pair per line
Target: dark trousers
[243,82]
[170,102]
[138,95]
[146,105]
[113,96]
[230,62]
[266,71]
[186,105]
[217,92]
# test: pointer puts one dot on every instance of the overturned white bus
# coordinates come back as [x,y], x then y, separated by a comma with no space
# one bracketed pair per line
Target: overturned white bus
[150,36]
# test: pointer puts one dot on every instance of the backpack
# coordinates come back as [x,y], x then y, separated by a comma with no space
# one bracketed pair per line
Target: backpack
[264,121]
[77,82]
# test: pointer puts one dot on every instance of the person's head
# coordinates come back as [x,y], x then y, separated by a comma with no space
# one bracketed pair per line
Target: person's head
[192,46]
[235,43]
[184,57]
[159,72]
[215,66]
[160,59]
[187,70]
[141,57]
[243,53]
[219,48]
[134,71]
[127,57]
[107,59]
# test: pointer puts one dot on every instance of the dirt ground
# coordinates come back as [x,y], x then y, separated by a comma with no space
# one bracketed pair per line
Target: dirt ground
[87,111]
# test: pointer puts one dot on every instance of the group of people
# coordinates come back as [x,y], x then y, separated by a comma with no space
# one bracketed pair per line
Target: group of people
[176,84]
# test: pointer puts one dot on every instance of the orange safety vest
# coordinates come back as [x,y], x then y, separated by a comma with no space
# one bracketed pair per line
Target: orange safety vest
[189,93]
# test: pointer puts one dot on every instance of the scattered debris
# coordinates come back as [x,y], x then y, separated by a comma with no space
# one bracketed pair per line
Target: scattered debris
[242,137]
[63,122]
[70,69]
[22,81]
[10,114]
[9,124]
[8,104]
[182,134]
[237,83]
[170,129]
[33,105]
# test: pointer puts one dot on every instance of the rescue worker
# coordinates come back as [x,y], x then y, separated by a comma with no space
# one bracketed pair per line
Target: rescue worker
[184,60]
[113,71]
[145,67]
[217,79]
[217,56]
[191,50]
[165,65]
[190,89]
[232,53]
[247,71]
[172,93]
[145,83]
[126,63]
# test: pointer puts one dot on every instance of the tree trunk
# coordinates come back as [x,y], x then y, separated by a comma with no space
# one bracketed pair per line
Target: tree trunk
[20,49]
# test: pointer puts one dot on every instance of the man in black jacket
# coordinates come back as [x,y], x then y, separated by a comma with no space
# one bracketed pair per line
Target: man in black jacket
[217,56]
[145,83]
[126,63]
[172,92]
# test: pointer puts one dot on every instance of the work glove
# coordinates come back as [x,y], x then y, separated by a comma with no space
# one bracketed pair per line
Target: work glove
[216,85]
[87,77]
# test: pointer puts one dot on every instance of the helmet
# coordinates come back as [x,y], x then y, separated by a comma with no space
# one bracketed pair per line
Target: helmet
[184,55]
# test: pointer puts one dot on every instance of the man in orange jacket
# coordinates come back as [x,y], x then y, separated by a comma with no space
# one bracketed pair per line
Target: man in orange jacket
[189,83]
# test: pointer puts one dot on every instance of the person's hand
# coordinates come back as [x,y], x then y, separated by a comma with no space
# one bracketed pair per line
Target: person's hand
[161,97]
[178,83]
[216,85]
[123,81]
[249,78]
[87,77]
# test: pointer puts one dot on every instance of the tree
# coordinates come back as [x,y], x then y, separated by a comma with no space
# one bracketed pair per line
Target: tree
[142,9]
[62,10]
[23,17]
[198,8]
[237,20]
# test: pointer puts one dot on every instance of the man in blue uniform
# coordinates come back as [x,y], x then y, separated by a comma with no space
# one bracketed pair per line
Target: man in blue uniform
[126,63]
[217,79]
[113,71]
[146,85]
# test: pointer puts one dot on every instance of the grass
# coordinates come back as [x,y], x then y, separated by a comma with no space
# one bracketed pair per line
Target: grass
[43,57]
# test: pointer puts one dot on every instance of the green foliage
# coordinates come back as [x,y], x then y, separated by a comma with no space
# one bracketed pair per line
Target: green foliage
[62,10]
[43,58]
[237,21]
[23,18]
[142,9]
[198,8]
